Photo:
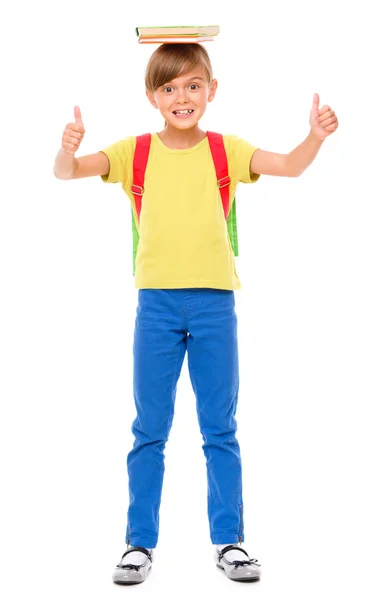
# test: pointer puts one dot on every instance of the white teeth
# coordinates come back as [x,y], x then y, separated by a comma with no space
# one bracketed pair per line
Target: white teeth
[183,112]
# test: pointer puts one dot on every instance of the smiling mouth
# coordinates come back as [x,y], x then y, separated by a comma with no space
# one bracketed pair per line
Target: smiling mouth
[184,112]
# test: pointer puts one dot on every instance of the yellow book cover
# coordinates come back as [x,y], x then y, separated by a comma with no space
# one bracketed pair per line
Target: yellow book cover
[179,30]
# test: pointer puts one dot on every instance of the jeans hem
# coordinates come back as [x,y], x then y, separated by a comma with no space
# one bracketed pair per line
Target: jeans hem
[225,538]
[141,542]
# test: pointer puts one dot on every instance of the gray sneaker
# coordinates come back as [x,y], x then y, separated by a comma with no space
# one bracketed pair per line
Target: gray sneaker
[128,573]
[246,569]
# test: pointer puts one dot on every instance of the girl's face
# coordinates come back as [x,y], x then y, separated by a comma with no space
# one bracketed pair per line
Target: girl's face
[183,101]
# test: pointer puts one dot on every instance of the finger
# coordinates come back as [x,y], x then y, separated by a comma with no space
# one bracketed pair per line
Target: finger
[316,102]
[332,127]
[326,119]
[74,132]
[324,108]
[71,140]
[75,127]
[78,115]
[326,114]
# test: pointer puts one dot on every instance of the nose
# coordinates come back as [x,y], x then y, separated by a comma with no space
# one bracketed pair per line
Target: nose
[181,96]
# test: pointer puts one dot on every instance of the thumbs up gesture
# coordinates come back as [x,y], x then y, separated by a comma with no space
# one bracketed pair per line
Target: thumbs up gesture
[323,121]
[73,133]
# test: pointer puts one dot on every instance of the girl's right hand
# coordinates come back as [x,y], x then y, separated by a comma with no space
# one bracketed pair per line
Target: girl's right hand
[73,134]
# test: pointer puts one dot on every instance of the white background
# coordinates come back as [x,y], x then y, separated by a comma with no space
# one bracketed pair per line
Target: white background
[308,310]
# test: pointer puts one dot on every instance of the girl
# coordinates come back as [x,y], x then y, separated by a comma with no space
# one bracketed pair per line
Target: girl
[186,277]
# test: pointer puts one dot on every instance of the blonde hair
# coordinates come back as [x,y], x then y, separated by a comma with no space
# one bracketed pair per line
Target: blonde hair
[171,60]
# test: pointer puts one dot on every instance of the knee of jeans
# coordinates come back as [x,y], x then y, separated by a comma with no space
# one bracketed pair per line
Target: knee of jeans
[151,434]
[219,437]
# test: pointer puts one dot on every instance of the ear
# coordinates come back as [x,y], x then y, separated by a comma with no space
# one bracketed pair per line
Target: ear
[212,89]
[151,99]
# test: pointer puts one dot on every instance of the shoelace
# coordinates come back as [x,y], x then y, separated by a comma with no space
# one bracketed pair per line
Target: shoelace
[237,563]
[130,566]
[243,563]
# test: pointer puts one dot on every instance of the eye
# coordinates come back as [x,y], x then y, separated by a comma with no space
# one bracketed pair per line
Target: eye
[168,87]
[194,85]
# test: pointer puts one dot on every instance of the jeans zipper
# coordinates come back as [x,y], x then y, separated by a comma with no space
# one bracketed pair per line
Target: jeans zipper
[241,525]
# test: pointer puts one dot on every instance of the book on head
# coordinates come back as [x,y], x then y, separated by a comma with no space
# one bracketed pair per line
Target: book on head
[173,39]
[179,30]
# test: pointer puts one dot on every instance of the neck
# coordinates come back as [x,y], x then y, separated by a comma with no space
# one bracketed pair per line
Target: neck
[181,139]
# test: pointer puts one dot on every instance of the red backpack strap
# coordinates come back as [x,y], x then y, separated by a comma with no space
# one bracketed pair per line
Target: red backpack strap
[220,160]
[141,154]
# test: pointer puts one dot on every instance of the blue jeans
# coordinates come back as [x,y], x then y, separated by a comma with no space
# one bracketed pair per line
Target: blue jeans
[168,322]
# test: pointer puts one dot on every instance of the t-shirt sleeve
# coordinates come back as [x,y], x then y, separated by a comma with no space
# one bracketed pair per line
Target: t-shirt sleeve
[240,153]
[120,156]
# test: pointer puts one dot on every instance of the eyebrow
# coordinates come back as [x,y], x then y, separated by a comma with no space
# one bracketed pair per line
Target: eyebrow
[190,79]
[197,77]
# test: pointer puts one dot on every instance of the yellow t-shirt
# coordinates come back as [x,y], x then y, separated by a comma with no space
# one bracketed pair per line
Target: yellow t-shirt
[183,236]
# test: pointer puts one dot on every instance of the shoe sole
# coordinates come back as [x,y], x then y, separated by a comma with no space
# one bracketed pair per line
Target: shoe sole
[243,579]
[128,582]
[132,582]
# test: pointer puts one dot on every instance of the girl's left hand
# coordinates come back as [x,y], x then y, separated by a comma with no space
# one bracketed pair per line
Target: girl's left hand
[323,121]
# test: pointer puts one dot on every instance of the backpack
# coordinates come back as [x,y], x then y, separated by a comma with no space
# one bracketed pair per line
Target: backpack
[216,143]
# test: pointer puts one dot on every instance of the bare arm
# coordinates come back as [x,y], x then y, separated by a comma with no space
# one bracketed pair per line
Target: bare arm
[286,165]
[65,164]
[68,167]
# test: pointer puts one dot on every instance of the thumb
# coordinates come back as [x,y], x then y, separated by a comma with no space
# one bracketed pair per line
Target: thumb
[78,115]
[316,103]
